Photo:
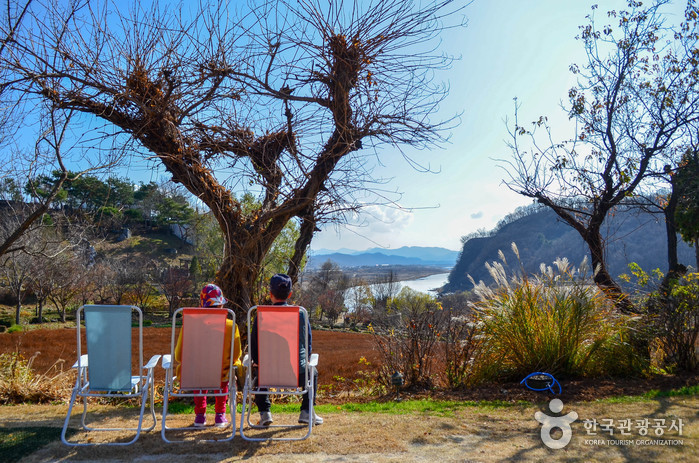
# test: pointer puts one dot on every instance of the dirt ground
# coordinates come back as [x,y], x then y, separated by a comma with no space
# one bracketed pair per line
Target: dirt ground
[339,351]
[469,434]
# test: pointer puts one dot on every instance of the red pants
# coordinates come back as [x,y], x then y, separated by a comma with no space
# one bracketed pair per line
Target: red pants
[221,401]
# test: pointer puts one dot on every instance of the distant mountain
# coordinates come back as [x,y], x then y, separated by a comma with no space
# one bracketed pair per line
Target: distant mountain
[631,236]
[407,255]
[350,252]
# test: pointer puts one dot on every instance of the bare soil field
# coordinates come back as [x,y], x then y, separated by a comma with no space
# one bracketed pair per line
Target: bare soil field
[339,358]
[339,351]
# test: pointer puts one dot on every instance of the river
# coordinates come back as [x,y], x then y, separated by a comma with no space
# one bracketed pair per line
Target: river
[427,284]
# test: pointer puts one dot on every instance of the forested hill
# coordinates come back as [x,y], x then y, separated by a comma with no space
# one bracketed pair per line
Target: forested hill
[631,236]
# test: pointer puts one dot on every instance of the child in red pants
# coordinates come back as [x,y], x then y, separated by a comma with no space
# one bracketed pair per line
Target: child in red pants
[211,296]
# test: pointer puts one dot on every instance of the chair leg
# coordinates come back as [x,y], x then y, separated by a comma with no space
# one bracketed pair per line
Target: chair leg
[166,398]
[65,423]
[84,415]
[151,390]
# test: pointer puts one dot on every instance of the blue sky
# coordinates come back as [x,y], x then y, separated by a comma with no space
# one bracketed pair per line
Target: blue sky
[511,48]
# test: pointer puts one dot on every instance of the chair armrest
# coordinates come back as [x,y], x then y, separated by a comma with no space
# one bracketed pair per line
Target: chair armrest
[83,361]
[152,362]
[167,361]
[313,361]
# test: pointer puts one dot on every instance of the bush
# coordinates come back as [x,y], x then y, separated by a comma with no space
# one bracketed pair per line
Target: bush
[674,317]
[15,328]
[556,321]
[408,338]
[461,349]
[19,384]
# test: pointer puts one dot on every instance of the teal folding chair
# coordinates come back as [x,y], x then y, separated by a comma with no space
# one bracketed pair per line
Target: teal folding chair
[106,370]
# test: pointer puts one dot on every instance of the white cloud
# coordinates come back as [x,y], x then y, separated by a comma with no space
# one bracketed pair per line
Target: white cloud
[374,226]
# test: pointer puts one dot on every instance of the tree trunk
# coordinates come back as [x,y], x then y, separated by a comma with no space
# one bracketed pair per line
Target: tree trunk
[671,230]
[308,227]
[244,253]
[602,278]
[18,309]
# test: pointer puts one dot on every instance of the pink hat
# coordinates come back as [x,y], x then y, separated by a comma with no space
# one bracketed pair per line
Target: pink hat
[211,296]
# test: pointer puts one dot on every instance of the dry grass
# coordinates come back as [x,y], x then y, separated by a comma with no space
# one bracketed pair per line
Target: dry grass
[469,434]
[20,383]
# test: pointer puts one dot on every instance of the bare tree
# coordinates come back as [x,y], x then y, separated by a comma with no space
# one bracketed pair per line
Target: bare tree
[64,276]
[139,282]
[288,101]
[384,288]
[16,270]
[325,291]
[40,284]
[176,285]
[100,279]
[21,217]
[634,98]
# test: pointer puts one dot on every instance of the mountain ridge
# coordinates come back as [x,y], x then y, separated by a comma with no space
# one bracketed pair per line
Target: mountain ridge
[631,236]
[406,255]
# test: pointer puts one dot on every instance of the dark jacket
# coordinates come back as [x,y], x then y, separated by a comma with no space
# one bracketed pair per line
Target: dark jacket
[304,325]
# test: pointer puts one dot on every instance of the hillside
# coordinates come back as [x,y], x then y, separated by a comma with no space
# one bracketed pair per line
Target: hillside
[631,236]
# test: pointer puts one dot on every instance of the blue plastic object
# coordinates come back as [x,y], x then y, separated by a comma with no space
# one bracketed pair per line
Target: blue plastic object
[549,380]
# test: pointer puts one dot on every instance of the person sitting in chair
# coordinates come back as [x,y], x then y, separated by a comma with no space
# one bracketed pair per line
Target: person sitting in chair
[212,296]
[279,292]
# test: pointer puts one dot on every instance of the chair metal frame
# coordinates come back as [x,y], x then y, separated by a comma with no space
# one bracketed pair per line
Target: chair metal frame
[141,385]
[170,390]
[251,389]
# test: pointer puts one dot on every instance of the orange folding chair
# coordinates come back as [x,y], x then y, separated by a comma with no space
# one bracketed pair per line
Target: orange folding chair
[278,329]
[203,332]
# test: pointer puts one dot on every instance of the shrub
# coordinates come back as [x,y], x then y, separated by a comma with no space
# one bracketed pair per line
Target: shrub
[407,340]
[461,349]
[19,384]
[556,321]
[674,315]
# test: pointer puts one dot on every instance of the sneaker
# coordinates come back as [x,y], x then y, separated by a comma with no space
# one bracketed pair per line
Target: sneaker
[265,419]
[221,421]
[200,420]
[303,418]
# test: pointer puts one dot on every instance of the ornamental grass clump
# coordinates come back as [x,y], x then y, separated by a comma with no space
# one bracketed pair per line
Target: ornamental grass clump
[556,321]
[20,384]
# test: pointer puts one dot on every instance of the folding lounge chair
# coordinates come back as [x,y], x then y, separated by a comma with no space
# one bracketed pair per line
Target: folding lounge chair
[278,330]
[202,363]
[105,371]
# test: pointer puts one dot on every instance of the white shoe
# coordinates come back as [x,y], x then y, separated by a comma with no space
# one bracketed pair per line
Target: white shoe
[265,419]
[303,418]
